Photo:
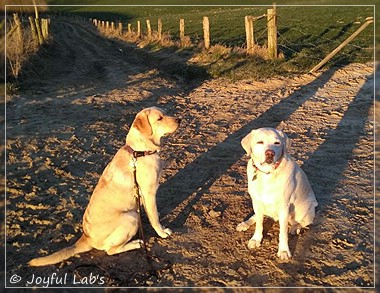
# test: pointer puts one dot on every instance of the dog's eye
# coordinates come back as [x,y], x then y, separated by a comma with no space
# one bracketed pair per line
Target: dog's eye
[260,142]
[160,118]
[277,143]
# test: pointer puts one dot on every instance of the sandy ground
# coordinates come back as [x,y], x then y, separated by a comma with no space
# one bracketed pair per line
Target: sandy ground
[65,126]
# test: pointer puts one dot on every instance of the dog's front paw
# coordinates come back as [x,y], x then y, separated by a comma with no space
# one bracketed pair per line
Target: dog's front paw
[243,226]
[253,243]
[284,255]
[165,233]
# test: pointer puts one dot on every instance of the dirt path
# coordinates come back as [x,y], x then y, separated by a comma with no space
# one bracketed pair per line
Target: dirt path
[67,124]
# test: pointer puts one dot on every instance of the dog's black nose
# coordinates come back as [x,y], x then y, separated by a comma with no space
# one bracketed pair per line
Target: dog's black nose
[269,154]
[178,120]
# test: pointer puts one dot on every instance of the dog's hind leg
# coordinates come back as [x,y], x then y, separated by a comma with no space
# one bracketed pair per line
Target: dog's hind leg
[244,226]
[135,244]
[119,240]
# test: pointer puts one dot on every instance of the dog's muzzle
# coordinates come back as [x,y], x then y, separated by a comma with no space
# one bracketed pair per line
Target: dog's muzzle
[269,156]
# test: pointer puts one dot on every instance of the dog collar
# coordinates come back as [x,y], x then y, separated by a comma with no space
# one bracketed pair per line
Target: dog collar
[138,154]
[267,173]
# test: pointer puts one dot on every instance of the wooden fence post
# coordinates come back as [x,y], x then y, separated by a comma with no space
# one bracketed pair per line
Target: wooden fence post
[159,28]
[112,27]
[33,30]
[249,33]
[120,29]
[139,29]
[47,26]
[149,29]
[129,28]
[182,31]
[39,33]
[20,40]
[44,28]
[35,9]
[107,27]
[206,32]
[272,32]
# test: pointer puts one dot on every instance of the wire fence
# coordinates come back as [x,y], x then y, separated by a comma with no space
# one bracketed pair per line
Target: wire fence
[299,40]
[317,46]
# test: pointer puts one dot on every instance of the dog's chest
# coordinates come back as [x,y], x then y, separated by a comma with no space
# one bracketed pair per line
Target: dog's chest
[265,198]
[265,191]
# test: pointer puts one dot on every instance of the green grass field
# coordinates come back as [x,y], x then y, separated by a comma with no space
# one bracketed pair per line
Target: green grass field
[306,34]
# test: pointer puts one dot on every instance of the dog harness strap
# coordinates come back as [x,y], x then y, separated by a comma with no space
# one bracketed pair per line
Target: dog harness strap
[136,188]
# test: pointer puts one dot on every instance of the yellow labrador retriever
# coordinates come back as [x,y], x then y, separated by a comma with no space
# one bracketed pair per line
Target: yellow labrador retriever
[111,219]
[278,187]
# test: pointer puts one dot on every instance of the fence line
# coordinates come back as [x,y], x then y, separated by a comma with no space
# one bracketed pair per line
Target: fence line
[184,40]
[270,41]
[39,29]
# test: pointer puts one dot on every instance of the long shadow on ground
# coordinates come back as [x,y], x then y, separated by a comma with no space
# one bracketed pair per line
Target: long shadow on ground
[205,170]
[347,134]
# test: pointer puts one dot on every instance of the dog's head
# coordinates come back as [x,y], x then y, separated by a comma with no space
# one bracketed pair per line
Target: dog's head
[266,146]
[153,124]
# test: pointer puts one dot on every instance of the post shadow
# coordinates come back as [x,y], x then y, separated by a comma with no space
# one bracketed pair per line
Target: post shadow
[337,151]
[346,135]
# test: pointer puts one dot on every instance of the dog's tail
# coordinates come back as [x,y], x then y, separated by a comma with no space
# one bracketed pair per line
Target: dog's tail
[82,245]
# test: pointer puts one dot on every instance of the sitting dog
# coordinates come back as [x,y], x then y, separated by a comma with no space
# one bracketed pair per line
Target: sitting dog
[278,187]
[111,219]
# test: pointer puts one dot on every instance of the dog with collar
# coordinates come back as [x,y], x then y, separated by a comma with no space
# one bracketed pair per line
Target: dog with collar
[111,219]
[278,188]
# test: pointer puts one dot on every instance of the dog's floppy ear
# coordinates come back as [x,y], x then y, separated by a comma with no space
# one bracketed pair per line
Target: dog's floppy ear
[246,143]
[142,123]
[286,139]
